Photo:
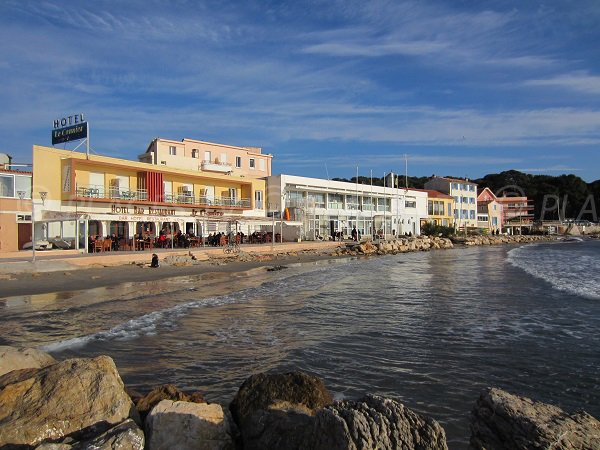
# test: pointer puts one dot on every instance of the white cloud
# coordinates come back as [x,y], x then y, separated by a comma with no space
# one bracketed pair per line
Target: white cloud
[576,81]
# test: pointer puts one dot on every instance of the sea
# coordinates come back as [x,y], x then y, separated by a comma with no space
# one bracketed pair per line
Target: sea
[431,330]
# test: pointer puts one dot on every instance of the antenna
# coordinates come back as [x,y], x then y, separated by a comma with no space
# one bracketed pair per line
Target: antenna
[406,171]
[327,171]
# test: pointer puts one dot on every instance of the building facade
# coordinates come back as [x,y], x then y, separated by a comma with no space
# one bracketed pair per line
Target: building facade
[439,208]
[15,209]
[489,212]
[464,194]
[517,214]
[208,157]
[323,208]
[98,195]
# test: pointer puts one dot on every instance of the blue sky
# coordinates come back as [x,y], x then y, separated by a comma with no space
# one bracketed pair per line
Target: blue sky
[464,88]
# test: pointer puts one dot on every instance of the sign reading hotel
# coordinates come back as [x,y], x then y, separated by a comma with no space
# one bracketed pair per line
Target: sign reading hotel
[70,128]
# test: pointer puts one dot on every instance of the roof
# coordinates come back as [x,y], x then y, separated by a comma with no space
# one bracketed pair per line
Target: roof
[453,180]
[18,172]
[434,194]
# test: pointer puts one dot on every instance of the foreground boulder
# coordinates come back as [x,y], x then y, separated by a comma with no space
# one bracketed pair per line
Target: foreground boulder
[374,422]
[184,425]
[13,358]
[504,421]
[294,411]
[260,391]
[76,398]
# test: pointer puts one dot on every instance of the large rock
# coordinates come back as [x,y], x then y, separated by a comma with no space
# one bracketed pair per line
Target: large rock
[184,425]
[76,398]
[274,410]
[12,358]
[502,421]
[124,436]
[164,392]
[262,390]
[373,423]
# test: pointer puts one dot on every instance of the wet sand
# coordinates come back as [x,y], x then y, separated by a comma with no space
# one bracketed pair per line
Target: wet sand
[30,283]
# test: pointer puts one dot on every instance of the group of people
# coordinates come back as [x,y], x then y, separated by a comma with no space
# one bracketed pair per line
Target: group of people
[113,238]
[214,240]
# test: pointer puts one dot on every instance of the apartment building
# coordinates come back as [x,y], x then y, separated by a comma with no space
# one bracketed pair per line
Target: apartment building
[98,195]
[517,214]
[208,157]
[489,212]
[322,208]
[439,208]
[464,194]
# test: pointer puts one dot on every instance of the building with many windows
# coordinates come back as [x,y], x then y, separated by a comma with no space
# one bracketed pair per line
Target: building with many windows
[489,212]
[464,193]
[517,214]
[439,208]
[97,195]
[208,157]
[323,208]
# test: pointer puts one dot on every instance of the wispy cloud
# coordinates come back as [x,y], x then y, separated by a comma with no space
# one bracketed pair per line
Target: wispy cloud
[577,81]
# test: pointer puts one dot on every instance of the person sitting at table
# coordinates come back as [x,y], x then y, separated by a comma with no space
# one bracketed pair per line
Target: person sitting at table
[162,240]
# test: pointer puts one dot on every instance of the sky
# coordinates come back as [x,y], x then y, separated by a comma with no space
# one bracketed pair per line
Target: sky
[457,87]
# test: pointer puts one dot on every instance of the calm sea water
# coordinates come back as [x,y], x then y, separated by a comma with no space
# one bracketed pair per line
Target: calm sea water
[429,329]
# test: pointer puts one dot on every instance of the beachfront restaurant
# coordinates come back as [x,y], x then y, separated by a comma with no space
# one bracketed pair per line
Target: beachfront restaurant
[326,209]
[89,198]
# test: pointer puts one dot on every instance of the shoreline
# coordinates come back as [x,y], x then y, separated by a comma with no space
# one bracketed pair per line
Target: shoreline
[70,274]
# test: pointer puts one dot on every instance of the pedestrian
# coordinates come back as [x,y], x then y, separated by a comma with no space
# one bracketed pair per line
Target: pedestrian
[154,262]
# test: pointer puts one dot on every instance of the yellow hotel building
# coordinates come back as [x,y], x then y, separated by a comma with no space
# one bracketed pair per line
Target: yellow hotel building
[78,195]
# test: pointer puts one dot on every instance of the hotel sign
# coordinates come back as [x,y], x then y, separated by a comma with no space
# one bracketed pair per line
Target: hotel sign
[70,128]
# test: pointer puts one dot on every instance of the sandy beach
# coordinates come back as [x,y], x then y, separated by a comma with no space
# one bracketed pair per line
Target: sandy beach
[59,275]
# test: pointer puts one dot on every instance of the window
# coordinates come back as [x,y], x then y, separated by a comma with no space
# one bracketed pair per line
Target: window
[450,209]
[472,200]
[456,213]
[7,186]
[207,156]
[164,163]
[195,153]
[261,164]
[336,201]
[410,204]
[472,214]
[252,163]
[351,202]
[23,183]
[238,161]
[258,199]
[172,150]
[317,199]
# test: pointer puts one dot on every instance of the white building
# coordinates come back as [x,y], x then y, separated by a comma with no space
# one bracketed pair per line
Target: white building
[321,208]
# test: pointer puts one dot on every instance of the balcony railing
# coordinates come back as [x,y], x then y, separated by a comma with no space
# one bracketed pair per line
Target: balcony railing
[99,192]
[214,166]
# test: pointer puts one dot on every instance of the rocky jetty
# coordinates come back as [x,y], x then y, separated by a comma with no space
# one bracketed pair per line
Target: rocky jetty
[79,404]
[426,243]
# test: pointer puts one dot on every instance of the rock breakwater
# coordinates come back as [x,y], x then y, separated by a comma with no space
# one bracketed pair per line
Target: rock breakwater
[426,243]
[82,403]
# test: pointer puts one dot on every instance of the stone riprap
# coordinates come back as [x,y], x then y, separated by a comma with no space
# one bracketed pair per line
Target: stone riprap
[81,403]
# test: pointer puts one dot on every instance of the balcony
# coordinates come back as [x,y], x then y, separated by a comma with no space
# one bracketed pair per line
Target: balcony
[99,193]
[214,166]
